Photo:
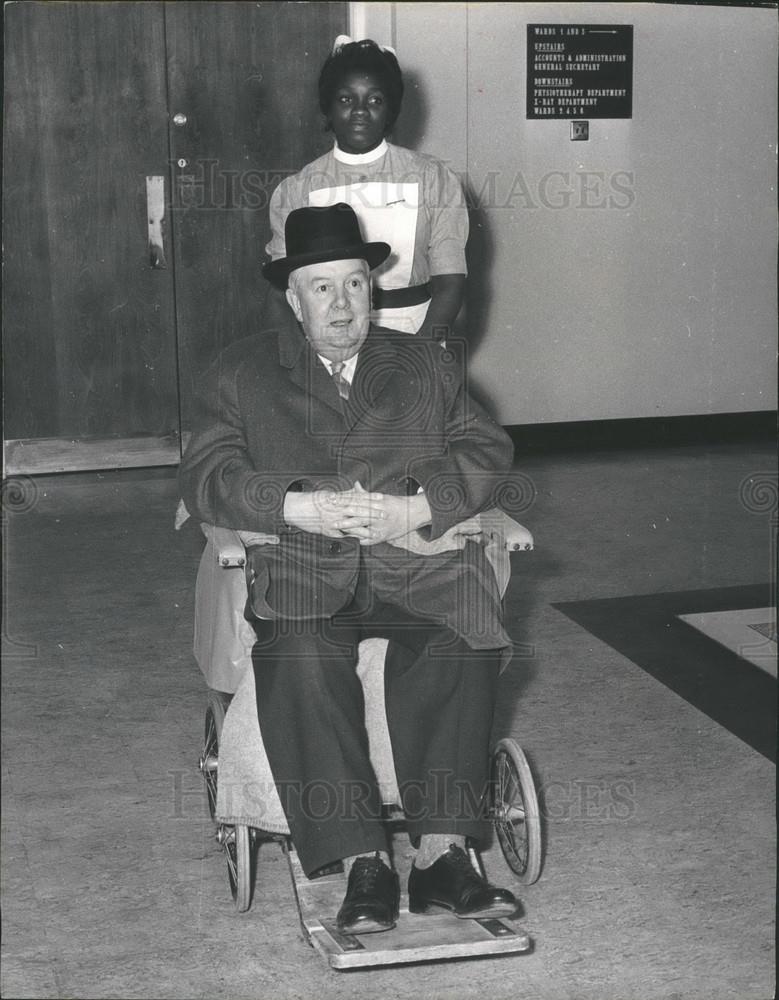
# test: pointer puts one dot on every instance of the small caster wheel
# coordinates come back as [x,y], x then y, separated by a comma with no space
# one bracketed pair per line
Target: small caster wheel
[238,843]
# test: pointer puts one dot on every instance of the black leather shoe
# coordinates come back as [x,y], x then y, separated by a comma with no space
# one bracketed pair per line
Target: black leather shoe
[372,898]
[451,883]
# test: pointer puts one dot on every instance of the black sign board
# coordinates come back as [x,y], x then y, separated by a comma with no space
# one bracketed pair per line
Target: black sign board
[579,70]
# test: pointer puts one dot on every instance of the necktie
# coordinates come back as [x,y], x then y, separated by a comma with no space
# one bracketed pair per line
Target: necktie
[340,382]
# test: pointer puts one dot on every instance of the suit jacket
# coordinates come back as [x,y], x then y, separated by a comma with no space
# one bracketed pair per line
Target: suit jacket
[270,418]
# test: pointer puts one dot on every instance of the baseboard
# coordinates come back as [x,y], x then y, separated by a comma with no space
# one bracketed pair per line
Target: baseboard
[646,432]
[41,456]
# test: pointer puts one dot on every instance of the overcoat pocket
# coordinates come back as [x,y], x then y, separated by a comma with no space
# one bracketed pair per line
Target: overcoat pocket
[305,576]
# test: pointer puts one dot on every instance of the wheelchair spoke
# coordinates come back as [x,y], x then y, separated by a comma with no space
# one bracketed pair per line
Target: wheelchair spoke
[515,811]
[209,760]
[510,814]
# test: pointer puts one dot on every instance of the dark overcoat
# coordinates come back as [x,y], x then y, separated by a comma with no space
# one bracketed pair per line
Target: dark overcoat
[270,419]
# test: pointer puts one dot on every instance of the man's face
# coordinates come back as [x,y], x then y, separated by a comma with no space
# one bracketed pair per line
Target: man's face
[332,302]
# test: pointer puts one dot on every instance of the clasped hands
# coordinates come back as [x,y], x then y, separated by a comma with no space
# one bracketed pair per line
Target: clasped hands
[370,517]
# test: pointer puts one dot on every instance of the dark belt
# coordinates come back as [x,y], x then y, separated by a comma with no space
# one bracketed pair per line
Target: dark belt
[400,298]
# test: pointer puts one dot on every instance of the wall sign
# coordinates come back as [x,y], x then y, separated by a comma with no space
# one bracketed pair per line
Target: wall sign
[580,71]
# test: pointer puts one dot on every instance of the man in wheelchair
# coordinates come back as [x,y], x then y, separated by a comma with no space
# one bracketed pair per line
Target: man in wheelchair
[358,451]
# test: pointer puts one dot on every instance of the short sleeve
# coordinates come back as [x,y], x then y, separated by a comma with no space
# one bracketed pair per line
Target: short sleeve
[291,193]
[278,211]
[448,221]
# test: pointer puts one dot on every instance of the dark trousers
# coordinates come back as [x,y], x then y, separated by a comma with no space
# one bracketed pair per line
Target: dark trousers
[439,700]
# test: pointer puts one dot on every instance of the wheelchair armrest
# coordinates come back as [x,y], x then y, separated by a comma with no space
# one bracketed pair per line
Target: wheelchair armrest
[230,552]
[510,533]
[230,545]
[516,537]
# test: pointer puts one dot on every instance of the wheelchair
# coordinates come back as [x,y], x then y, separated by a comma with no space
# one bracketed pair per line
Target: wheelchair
[241,795]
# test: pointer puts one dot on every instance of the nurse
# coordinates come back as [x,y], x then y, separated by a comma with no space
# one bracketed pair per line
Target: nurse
[410,200]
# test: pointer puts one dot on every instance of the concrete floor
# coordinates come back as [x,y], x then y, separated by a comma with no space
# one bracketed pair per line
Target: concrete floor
[660,825]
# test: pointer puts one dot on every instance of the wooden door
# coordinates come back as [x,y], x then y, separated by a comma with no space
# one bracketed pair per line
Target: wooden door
[88,345]
[242,85]
[102,350]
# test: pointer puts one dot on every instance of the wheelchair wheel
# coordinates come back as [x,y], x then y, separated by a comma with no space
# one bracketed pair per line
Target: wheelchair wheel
[209,759]
[515,811]
[238,843]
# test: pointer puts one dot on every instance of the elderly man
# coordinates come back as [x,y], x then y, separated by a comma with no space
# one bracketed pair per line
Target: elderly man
[352,445]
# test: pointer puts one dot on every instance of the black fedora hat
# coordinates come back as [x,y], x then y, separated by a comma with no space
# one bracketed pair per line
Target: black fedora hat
[316,235]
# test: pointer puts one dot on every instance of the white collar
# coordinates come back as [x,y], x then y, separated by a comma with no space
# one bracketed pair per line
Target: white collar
[348,369]
[354,158]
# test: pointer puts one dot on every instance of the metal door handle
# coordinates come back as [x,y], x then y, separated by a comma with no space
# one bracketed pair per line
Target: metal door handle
[155,214]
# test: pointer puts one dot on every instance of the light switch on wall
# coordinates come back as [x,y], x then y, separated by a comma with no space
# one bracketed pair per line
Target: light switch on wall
[580,130]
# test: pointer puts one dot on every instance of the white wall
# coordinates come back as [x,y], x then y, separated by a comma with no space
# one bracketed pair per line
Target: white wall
[632,275]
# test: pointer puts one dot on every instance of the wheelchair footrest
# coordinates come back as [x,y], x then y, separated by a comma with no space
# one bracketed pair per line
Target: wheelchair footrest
[415,938]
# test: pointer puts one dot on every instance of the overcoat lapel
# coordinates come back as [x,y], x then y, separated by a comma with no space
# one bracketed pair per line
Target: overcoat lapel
[305,370]
[372,379]
[374,376]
